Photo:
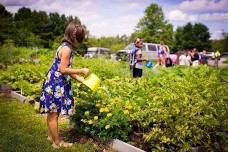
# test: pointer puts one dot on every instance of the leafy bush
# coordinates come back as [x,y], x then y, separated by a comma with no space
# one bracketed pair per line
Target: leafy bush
[100,116]
[104,68]
[174,108]
[177,109]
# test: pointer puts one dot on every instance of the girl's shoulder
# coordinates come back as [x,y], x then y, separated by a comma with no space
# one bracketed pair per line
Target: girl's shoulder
[63,48]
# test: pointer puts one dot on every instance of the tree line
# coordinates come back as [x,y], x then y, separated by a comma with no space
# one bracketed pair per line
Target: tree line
[40,29]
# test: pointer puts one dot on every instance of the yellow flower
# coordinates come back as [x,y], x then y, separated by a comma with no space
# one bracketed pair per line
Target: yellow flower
[95,118]
[106,109]
[126,112]
[86,113]
[90,122]
[107,126]
[114,101]
[128,107]
[101,110]
[98,105]
[109,114]
[83,120]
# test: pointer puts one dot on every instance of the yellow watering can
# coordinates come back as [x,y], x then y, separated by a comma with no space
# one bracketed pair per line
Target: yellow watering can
[92,81]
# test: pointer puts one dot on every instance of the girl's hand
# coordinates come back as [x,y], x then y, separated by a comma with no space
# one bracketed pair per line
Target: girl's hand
[85,71]
[77,77]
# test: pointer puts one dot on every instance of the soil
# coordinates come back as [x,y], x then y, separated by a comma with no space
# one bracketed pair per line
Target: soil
[136,139]
[73,135]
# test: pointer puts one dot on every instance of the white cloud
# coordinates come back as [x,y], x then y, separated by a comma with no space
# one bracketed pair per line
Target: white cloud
[178,15]
[214,17]
[203,5]
[109,27]
[216,35]
[102,18]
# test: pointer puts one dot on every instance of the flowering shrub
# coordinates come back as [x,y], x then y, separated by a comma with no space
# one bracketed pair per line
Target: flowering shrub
[101,116]
[175,108]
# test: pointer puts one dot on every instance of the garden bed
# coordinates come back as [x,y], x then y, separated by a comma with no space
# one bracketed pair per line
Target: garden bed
[173,109]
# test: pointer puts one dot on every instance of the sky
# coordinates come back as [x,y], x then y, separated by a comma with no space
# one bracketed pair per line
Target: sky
[118,17]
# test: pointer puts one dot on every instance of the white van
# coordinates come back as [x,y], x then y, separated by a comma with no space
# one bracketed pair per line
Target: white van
[97,52]
[149,50]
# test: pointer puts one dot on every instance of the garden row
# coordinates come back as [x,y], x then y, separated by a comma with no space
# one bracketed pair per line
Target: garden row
[174,109]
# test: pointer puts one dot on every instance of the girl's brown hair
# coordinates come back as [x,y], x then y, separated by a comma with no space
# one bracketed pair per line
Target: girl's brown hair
[74,32]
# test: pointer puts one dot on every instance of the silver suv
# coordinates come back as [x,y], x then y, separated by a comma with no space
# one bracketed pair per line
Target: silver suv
[97,52]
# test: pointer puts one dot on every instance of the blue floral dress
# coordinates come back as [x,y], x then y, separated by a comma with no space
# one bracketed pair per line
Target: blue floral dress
[57,95]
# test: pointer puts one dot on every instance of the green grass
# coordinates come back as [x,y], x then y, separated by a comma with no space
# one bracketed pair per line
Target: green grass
[22,130]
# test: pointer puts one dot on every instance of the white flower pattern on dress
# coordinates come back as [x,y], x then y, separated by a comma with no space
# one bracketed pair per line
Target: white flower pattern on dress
[57,95]
[49,90]
[57,74]
[42,98]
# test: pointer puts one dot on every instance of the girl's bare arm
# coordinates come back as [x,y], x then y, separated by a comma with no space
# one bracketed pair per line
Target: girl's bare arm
[64,55]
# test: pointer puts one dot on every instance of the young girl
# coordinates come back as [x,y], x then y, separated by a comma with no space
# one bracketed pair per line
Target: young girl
[162,53]
[56,97]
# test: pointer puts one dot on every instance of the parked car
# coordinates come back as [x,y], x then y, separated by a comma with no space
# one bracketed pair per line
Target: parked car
[97,52]
[149,50]
[121,55]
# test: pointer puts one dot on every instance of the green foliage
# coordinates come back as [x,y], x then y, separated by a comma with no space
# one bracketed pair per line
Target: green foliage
[114,43]
[186,108]
[32,28]
[221,44]
[104,68]
[9,54]
[190,36]
[217,45]
[101,117]
[153,27]
[5,24]
[28,80]
[225,44]
[175,108]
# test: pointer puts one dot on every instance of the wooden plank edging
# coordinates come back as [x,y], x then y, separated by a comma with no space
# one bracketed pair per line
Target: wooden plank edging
[17,96]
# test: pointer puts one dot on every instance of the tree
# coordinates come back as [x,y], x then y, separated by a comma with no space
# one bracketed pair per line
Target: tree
[23,19]
[202,35]
[178,42]
[153,27]
[192,36]
[217,45]
[188,36]
[6,24]
[225,42]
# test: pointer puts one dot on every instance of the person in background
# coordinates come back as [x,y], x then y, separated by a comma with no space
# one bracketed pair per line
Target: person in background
[57,95]
[162,54]
[195,57]
[136,59]
[204,57]
[189,57]
[217,57]
[168,62]
[173,57]
[183,59]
